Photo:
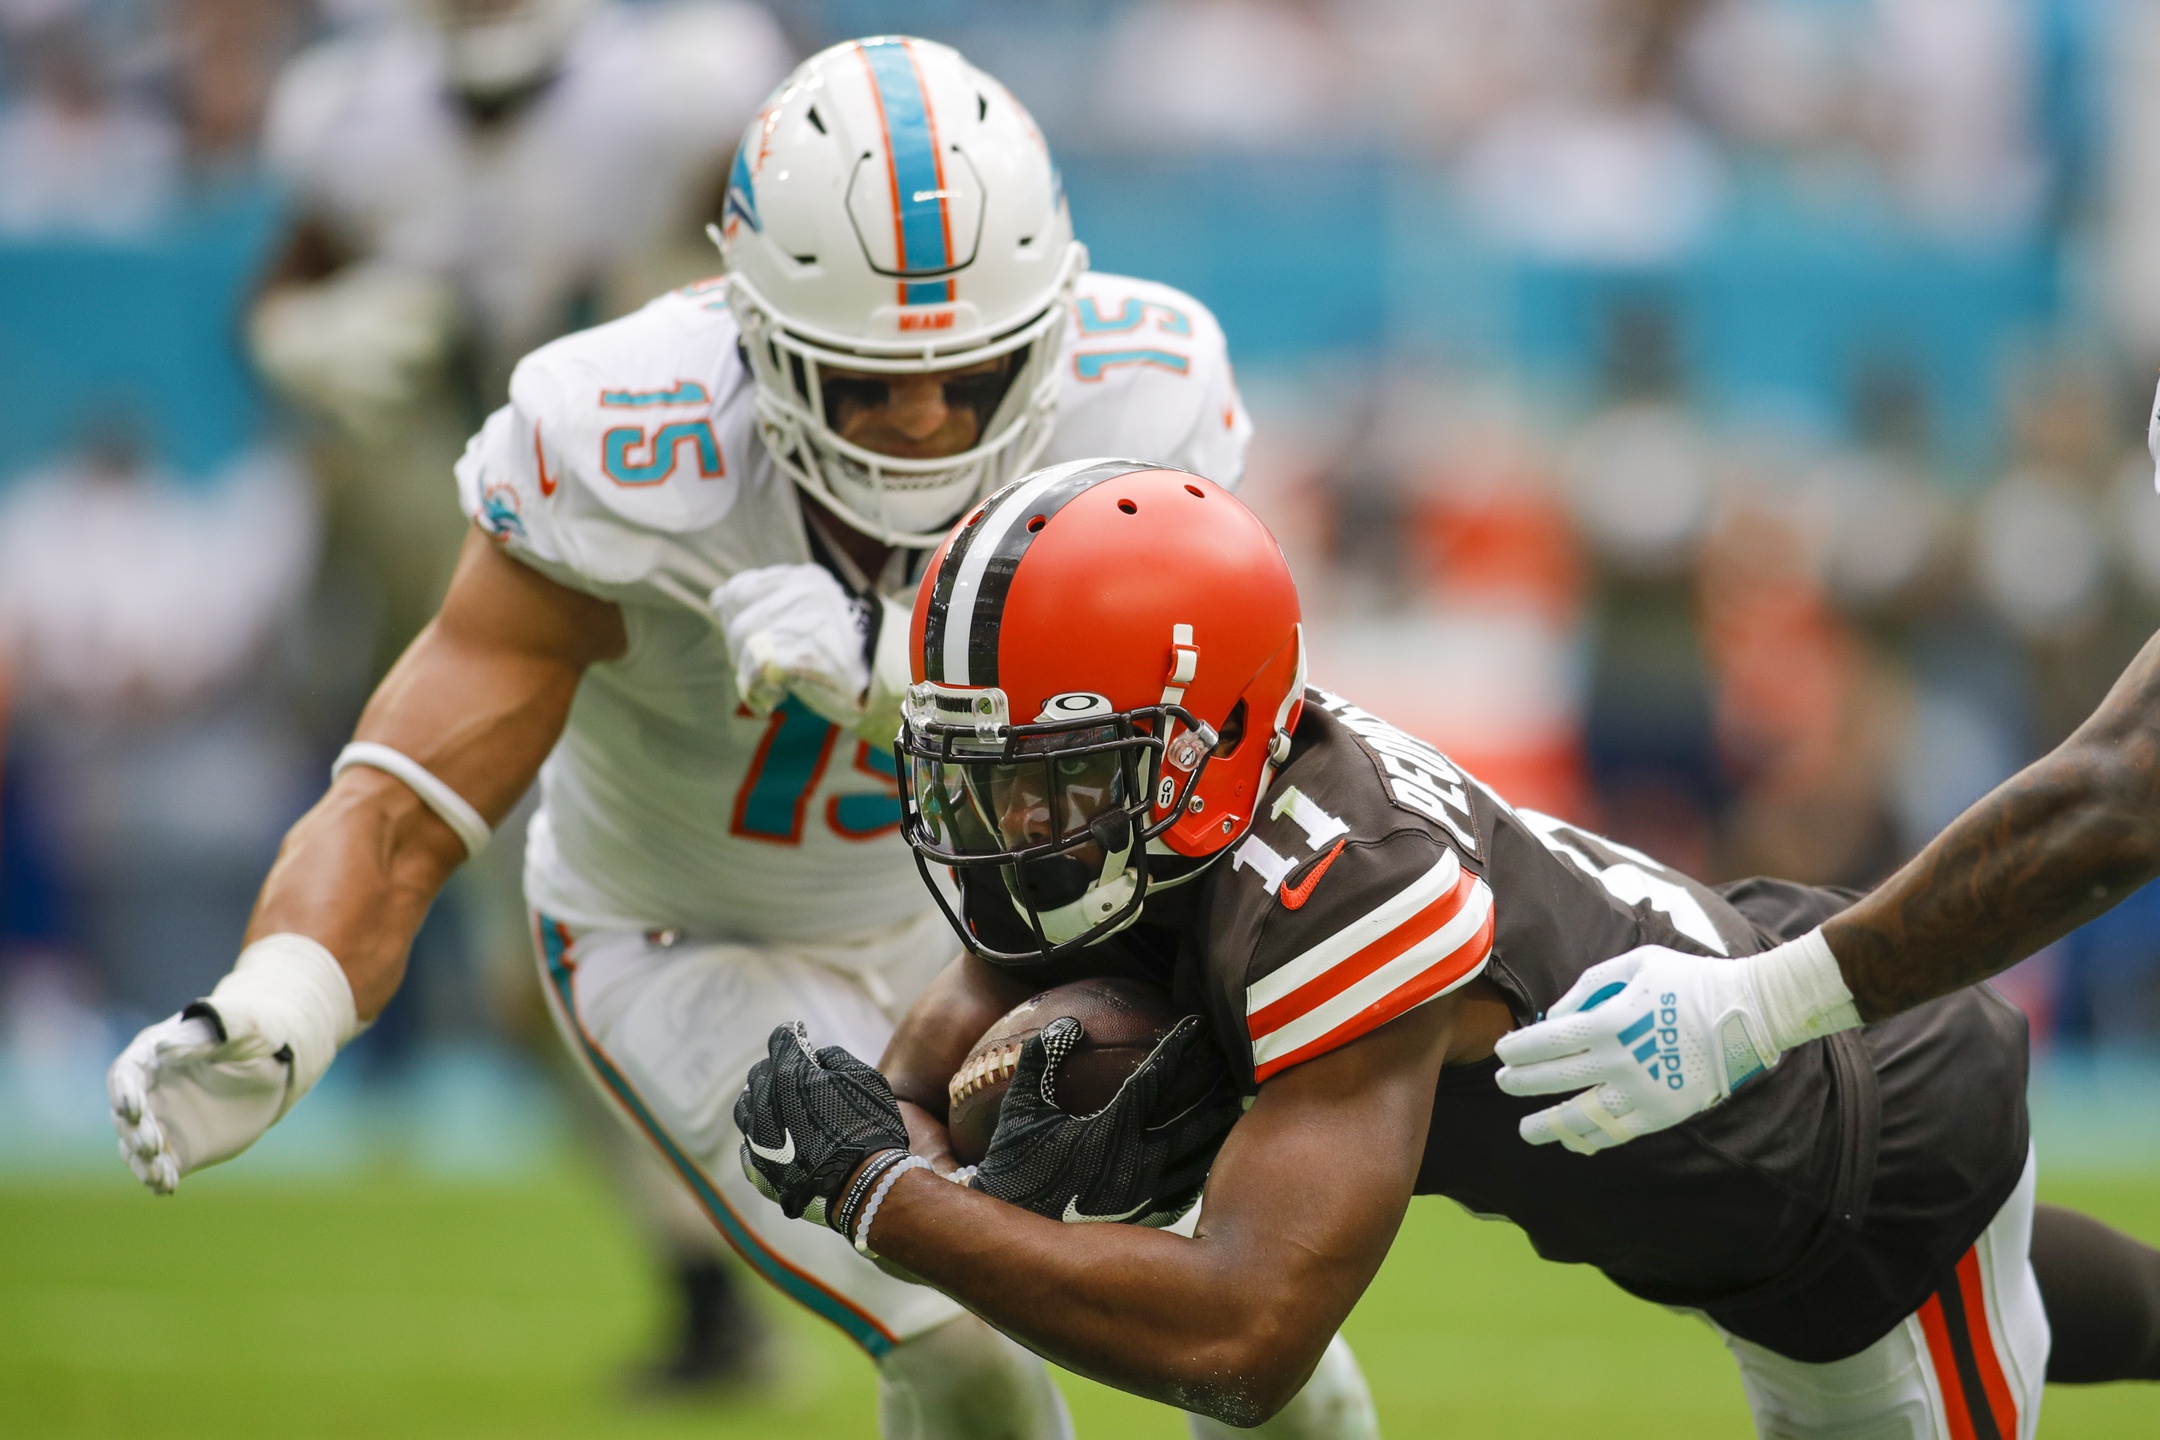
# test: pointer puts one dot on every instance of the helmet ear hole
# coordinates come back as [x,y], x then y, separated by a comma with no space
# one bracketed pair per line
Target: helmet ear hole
[1232,734]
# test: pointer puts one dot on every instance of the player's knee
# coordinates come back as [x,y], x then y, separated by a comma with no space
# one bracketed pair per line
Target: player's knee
[965,1380]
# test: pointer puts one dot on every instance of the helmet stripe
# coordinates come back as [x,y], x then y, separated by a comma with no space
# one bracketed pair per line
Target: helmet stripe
[967,607]
[914,166]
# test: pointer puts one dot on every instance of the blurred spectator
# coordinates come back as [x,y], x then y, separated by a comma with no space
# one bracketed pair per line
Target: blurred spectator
[1606,170]
[1953,83]
[2132,203]
[225,55]
[123,591]
[140,619]
[471,185]
[1774,75]
[1241,74]
[78,153]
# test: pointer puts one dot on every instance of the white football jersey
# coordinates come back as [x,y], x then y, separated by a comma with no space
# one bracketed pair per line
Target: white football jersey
[627,465]
[623,153]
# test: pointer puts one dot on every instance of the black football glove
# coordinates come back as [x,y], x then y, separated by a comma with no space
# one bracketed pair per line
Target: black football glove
[809,1120]
[1127,1161]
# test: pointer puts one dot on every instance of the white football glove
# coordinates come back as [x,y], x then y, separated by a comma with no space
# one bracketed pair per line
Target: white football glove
[200,1087]
[359,346]
[1658,1036]
[791,629]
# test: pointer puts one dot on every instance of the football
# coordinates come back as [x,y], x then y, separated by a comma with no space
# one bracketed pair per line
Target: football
[1124,1021]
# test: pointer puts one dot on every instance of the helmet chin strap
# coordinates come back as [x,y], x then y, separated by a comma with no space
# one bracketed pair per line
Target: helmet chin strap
[1108,893]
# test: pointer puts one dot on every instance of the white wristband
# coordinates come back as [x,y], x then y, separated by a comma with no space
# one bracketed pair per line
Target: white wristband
[877,1198]
[1802,992]
[449,806]
[287,991]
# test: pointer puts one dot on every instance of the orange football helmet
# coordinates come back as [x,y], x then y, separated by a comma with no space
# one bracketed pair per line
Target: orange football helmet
[1108,665]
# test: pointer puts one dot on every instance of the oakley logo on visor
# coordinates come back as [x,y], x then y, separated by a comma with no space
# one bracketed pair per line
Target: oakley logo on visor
[1073,705]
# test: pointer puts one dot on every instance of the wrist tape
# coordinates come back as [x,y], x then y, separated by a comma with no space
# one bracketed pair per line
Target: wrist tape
[1802,992]
[286,992]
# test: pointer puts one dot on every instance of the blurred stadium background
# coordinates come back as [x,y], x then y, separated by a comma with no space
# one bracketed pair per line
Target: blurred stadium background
[1717,421]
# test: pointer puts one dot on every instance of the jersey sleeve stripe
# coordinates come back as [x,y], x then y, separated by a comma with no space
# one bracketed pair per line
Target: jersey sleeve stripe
[1442,923]
[1434,884]
[1425,972]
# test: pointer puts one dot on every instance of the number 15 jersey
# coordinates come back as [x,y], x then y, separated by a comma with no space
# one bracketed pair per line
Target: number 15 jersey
[627,465]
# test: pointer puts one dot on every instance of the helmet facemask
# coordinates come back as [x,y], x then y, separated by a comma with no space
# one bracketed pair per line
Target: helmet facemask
[1062,810]
[902,501]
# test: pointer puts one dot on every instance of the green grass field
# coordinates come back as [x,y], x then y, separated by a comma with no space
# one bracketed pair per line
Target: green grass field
[388,1307]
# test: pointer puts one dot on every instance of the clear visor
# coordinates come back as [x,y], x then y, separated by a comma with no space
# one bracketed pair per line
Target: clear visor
[1030,803]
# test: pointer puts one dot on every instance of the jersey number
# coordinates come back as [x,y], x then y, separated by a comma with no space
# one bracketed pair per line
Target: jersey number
[629,458]
[791,759]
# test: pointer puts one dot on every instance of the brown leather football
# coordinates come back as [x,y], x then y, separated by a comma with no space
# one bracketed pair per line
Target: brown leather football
[1124,1021]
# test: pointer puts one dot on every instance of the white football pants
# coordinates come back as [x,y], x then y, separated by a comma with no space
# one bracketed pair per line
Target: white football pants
[669,1029]
[1969,1364]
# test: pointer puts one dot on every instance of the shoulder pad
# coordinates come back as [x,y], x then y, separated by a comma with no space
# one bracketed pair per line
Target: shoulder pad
[642,413]
[1345,905]
[1146,373]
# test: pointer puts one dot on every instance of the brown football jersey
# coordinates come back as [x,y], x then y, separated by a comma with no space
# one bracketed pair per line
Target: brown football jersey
[1811,1213]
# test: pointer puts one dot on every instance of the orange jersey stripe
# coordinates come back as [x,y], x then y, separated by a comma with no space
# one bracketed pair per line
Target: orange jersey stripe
[1464,960]
[1937,1331]
[1357,965]
[1999,1399]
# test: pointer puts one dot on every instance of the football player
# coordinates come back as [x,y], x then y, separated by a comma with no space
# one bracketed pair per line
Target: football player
[471,179]
[1111,743]
[697,534]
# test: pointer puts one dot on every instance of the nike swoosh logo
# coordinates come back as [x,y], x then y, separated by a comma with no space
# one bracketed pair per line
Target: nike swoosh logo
[1295,896]
[783,1156]
[547,482]
[1073,1215]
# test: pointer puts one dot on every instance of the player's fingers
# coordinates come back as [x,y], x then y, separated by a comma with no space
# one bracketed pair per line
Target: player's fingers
[1556,1076]
[1598,984]
[146,1137]
[1585,1123]
[840,1058]
[788,1044]
[1035,1072]
[755,1176]
[1553,1039]
[125,1088]
[1155,1075]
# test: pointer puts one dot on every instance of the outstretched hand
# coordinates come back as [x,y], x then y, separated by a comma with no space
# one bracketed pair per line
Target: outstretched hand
[1141,1158]
[1649,1040]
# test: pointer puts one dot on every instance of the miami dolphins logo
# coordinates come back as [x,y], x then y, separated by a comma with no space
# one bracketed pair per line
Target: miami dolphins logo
[499,513]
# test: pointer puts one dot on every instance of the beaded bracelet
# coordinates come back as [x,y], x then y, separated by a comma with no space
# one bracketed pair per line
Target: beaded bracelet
[842,1216]
[877,1198]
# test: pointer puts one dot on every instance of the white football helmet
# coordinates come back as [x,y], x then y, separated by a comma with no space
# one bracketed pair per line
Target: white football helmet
[893,210]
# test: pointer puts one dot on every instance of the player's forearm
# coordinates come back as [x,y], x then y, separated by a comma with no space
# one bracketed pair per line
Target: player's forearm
[357,874]
[2058,843]
[1192,1323]
[476,702]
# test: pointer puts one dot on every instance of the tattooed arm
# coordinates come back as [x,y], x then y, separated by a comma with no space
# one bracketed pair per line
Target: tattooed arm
[2061,841]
